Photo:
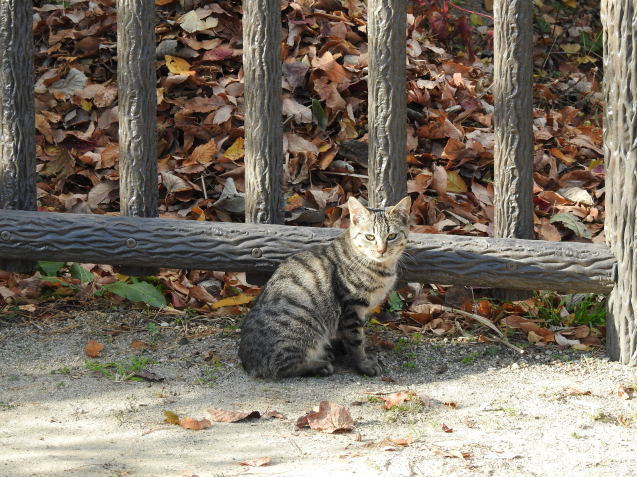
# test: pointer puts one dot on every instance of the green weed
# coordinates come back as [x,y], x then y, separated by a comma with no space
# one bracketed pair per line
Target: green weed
[394,303]
[121,370]
[471,357]
[406,411]
[590,311]
[154,331]
[401,345]
[555,310]
[64,370]
[7,406]
[210,374]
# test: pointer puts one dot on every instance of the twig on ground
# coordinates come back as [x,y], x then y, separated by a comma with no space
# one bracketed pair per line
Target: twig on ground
[506,343]
[479,318]
[500,338]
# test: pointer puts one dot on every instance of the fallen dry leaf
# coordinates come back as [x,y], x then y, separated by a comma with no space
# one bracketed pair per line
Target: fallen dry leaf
[575,392]
[426,401]
[445,428]
[330,418]
[623,420]
[402,442]
[580,347]
[30,308]
[194,424]
[241,299]
[455,182]
[625,392]
[259,462]
[562,341]
[178,66]
[526,325]
[171,418]
[221,415]
[139,344]
[449,453]
[396,399]
[236,151]
[93,349]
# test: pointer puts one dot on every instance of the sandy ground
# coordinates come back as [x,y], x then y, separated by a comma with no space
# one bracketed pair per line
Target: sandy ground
[513,416]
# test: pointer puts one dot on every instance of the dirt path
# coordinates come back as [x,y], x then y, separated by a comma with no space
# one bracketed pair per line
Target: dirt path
[512,416]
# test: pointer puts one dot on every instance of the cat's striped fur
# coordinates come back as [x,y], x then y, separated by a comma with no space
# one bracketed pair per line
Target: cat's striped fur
[324,295]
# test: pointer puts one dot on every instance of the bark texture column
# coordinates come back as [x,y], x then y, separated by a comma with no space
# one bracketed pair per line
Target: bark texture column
[513,152]
[137,113]
[263,121]
[619,18]
[386,24]
[17,117]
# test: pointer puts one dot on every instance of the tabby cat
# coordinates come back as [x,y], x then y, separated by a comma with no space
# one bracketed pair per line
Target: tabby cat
[324,295]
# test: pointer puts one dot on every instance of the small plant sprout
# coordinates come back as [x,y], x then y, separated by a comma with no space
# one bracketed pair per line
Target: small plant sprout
[121,370]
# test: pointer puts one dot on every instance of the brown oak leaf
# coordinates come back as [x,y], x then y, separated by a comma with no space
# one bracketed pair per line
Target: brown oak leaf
[221,415]
[194,424]
[330,418]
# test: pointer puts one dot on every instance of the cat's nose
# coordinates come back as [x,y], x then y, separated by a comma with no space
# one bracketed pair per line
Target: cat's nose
[382,249]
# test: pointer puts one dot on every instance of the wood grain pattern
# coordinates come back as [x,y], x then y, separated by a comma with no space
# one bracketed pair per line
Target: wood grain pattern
[387,116]
[513,150]
[446,259]
[619,18]
[137,112]
[17,116]
[263,120]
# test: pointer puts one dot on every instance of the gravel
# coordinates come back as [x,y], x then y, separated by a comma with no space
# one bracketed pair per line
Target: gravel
[509,414]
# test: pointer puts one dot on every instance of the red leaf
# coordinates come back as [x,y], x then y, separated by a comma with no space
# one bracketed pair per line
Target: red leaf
[218,54]
[93,349]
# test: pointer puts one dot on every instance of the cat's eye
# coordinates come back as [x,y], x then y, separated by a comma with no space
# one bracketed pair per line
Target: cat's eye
[370,237]
[392,236]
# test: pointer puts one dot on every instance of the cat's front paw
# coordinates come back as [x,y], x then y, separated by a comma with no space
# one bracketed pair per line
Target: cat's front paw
[326,370]
[369,366]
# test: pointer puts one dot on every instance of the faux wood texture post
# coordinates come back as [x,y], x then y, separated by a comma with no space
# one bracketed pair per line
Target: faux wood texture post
[619,18]
[387,116]
[263,120]
[513,152]
[137,112]
[17,115]
[448,259]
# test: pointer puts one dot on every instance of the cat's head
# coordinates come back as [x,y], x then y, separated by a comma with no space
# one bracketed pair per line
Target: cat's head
[380,235]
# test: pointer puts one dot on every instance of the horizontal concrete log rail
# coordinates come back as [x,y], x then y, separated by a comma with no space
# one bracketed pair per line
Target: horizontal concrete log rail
[445,259]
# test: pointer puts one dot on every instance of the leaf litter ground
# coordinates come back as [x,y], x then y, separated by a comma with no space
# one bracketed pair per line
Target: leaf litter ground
[200,124]
[441,407]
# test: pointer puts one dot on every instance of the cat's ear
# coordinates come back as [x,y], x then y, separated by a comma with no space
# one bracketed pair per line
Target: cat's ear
[402,208]
[357,211]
